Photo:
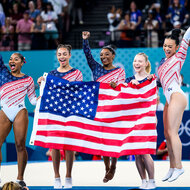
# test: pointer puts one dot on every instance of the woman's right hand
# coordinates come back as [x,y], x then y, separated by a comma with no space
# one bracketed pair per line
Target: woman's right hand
[135,82]
[40,80]
[85,35]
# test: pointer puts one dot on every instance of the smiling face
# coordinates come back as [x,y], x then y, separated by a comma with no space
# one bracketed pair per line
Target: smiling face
[106,57]
[15,63]
[139,64]
[170,47]
[63,56]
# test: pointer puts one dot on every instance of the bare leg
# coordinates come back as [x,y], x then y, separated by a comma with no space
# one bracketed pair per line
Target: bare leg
[165,121]
[140,166]
[175,113]
[20,126]
[107,167]
[111,172]
[149,165]
[69,156]
[5,126]
[56,162]
[107,163]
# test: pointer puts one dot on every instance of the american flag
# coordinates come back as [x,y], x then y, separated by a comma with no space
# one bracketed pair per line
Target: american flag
[93,118]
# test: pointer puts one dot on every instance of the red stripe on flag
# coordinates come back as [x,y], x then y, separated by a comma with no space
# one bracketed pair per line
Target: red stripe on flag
[111,130]
[95,151]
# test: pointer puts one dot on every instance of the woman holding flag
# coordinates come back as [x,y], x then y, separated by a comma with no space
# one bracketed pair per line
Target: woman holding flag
[169,74]
[66,72]
[144,162]
[106,73]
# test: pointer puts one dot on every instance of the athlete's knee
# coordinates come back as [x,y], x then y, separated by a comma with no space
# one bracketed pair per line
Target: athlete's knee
[20,146]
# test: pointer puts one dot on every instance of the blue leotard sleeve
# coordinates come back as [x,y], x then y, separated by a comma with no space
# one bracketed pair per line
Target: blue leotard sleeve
[91,62]
[4,71]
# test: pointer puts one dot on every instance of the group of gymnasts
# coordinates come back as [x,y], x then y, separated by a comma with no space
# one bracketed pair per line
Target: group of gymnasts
[14,85]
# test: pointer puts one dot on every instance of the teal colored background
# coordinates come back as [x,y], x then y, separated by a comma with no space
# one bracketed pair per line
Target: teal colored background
[38,62]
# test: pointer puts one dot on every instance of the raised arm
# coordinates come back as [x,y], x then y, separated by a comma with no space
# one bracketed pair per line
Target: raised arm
[4,71]
[181,54]
[86,48]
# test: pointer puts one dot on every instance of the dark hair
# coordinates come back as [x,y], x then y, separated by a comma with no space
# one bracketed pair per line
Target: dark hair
[67,46]
[111,48]
[174,36]
[21,56]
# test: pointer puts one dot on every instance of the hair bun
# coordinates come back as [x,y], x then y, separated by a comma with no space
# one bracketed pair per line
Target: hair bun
[112,46]
[176,32]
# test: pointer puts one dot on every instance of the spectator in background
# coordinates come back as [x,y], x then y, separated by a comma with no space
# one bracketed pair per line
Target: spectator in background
[159,16]
[23,29]
[176,12]
[152,26]
[39,5]
[156,8]
[38,29]
[60,7]
[1,8]
[136,19]
[2,19]
[114,17]
[5,7]
[22,5]
[15,15]
[7,43]
[126,35]
[184,3]
[176,25]
[77,9]
[162,151]
[33,13]
[50,19]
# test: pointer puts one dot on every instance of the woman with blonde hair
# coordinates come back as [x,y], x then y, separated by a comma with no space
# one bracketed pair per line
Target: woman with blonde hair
[13,186]
[144,162]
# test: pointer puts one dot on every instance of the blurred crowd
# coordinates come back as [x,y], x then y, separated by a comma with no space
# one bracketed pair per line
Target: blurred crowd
[25,23]
[147,21]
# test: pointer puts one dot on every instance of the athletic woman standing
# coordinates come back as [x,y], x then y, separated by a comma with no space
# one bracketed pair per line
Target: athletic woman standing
[14,85]
[106,73]
[66,72]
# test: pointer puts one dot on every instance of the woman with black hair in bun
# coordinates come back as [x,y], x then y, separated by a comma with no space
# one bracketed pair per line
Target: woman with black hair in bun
[106,73]
[169,75]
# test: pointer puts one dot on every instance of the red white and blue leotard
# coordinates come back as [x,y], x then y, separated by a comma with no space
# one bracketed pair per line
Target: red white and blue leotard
[100,74]
[169,69]
[13,91]
[71,75]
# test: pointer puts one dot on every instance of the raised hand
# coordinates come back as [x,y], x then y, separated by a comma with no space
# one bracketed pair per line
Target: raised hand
[85,35]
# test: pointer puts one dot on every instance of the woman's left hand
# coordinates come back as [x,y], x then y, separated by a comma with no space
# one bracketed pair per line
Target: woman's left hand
[113,84]
[150,76]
